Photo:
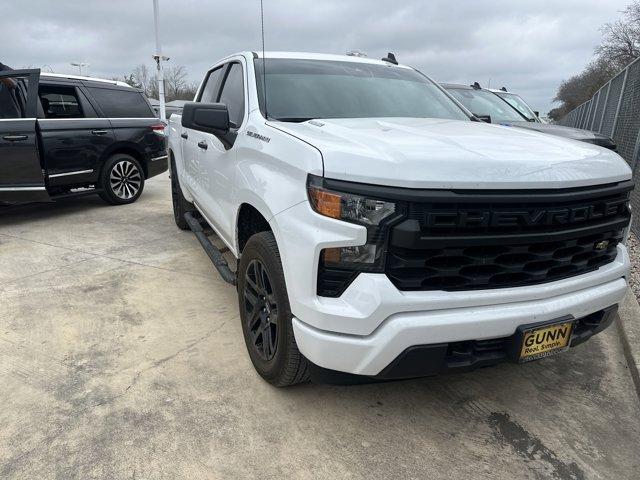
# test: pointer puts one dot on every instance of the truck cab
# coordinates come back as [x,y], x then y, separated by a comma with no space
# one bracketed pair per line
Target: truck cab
[63,136]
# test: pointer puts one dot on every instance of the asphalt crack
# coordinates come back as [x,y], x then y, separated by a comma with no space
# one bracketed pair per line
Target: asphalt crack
[157,364]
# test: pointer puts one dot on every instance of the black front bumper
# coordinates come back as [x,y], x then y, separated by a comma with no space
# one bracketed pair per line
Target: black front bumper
[427,360]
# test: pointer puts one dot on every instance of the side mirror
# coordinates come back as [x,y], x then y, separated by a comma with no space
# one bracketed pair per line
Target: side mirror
[537,114]
[484,118]
[206,117]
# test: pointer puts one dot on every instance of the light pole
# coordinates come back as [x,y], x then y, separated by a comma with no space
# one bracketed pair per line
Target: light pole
[159,60]
[79,65]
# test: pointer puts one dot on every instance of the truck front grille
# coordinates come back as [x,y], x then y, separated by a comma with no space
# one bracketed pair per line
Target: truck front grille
[495,265]
[468,240]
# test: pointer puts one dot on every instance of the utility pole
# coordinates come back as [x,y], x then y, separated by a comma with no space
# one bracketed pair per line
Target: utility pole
[159,61]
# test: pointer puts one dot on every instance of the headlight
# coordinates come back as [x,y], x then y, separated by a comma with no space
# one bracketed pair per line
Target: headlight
[372,213]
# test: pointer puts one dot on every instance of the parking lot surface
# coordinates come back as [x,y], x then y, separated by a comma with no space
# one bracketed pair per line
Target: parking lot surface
[121,356]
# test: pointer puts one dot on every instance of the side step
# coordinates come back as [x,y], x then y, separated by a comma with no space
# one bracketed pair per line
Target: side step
[81,193]
[214,252]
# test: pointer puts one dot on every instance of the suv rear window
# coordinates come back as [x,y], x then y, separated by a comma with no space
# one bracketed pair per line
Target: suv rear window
[121,103]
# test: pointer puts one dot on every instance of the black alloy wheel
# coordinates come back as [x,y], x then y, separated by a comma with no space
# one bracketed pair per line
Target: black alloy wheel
[265,314]
[262,310]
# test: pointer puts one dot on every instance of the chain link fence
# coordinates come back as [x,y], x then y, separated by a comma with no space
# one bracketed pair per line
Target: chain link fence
[615,111]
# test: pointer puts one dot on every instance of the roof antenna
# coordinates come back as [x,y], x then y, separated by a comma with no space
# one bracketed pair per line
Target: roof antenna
[391,58]
[476,86]
[504,89]
[264,65]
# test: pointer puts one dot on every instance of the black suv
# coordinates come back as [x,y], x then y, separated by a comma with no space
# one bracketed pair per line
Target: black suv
[63,136]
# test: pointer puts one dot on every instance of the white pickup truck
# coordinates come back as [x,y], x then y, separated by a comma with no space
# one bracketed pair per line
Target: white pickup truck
[382,231]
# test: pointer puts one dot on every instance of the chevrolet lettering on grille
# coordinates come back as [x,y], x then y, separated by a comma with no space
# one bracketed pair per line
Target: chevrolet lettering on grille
[512,218]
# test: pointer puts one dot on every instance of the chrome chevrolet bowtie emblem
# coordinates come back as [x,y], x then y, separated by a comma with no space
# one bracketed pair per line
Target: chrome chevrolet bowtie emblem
[601,245]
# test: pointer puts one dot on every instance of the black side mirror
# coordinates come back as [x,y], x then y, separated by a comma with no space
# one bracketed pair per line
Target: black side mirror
[484,118]
[206,117]
[210,118]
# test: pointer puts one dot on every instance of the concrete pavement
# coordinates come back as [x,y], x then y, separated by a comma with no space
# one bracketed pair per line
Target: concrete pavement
[121,356]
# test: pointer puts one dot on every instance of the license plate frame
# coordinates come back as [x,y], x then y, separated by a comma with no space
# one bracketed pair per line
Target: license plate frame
[544,345]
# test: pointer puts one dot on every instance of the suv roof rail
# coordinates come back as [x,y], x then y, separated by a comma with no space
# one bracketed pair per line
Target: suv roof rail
[90,79]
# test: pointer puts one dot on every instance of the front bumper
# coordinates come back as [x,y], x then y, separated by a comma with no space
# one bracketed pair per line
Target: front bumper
[374,354]
[372,322]
[427,360]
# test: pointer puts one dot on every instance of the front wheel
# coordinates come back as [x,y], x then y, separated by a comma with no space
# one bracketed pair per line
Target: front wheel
[266,315]
[122,180]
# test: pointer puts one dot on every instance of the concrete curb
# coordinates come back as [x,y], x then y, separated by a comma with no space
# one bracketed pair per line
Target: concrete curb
[629,323]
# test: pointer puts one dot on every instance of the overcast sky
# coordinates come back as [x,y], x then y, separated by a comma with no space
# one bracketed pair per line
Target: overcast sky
[527,45]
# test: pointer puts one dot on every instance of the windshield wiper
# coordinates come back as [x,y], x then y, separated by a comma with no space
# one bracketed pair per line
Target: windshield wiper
[294,119]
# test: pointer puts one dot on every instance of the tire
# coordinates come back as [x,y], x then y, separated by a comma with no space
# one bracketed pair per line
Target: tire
[261,291]
[180,204]
[121,180]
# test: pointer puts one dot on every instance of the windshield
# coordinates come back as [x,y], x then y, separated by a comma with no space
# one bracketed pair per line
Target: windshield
[482,102]
[299,90]
[519,104]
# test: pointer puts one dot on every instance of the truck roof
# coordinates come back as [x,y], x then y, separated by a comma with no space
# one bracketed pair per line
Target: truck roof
[318,56]
[90,79]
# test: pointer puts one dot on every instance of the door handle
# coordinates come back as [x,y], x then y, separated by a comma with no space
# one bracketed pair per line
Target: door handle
[99,132]
[15,138]
[184,135]
[202,144]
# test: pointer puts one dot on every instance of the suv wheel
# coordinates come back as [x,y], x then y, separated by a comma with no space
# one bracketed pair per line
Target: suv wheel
[122,180]
[266,315]
[180,204]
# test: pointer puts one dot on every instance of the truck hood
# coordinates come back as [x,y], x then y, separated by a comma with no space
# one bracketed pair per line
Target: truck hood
[436,153]
[568,132]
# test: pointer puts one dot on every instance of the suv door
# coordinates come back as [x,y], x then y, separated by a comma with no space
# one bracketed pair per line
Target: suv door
[74,139]
[21,175]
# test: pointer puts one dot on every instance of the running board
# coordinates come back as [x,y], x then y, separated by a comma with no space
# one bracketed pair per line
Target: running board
[82,193]
[212,251]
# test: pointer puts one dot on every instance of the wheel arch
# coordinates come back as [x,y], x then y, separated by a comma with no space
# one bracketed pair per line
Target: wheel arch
[249,221]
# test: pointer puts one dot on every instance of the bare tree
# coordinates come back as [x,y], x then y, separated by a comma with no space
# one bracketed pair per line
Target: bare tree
[580,88]
[621,39]
[177,85]
[620,46]
[175,80]
[143,77]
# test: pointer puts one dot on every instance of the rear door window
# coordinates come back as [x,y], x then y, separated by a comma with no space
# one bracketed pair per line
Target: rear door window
[121,103]
[60,102]
[232,94]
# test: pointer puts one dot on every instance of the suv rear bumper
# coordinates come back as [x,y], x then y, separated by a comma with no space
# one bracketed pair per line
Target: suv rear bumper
[158,164]
[371,354]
